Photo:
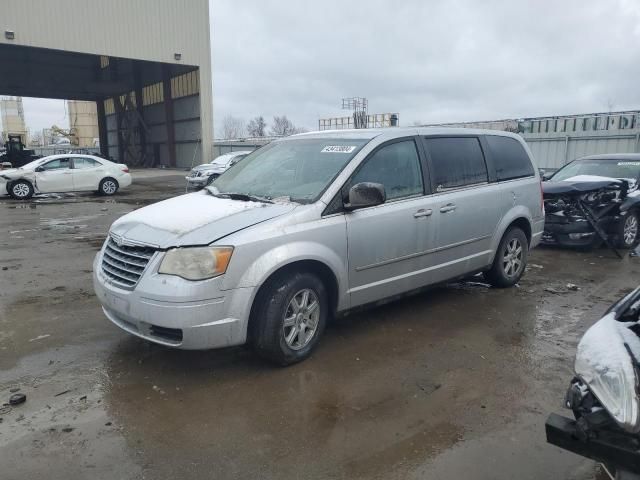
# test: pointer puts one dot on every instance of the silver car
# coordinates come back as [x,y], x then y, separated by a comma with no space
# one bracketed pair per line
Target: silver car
[316,224]
[203,175]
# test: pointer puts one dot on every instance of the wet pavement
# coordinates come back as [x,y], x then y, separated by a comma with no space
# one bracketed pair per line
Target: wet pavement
[452,383]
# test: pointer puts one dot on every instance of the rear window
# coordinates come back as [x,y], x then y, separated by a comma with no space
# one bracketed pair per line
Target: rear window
[456,162]
[509,158]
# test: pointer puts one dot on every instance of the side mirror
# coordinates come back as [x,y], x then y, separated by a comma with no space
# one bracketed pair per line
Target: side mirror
[365,194]
[40,169]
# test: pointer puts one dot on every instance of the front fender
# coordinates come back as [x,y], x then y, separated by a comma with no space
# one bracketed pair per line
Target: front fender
[630,202]
[283,255]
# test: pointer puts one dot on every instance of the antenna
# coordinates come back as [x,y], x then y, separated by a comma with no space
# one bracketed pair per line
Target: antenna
[359,106]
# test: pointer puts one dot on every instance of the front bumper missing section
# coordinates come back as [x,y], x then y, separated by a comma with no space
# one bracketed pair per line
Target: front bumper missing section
[608,446]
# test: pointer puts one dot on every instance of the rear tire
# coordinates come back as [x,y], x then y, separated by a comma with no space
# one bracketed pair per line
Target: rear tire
[628,230]
[108,186]
[510,260]
[20,190]
[290,315]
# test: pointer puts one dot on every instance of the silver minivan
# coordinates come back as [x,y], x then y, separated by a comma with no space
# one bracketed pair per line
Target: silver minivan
[316,224]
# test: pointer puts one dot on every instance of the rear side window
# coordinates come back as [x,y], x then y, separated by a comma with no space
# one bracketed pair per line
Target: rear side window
[510,159]
[456,162]
[79,163]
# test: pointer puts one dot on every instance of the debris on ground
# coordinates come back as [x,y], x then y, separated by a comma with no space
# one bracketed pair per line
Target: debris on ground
[14,389]
[17,399]
[68,429]
[553,290]
[534,265]
[39,337]
[573,287]
[5,409]
[61,393]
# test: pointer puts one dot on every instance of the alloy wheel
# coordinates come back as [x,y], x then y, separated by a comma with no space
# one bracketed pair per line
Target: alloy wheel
[512,258]
[109,187]
[301,319]
[21,190]
[630,231]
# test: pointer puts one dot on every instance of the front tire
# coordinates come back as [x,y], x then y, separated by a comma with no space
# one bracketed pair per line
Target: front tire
[211,179]
[108,186]
[628,230]
[290,317]
[21,190]
[510,260]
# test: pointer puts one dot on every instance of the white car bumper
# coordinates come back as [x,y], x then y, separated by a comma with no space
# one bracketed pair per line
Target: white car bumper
[171,311]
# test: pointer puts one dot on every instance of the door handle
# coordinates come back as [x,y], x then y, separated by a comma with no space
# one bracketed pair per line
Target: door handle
[423,213]
[450,207]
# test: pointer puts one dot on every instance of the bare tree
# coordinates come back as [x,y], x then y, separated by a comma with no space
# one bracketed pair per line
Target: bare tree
[257,127]
[232,127]
[282,126]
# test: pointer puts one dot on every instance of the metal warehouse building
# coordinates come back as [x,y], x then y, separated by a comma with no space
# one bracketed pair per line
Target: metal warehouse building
[146,64]
[557,140]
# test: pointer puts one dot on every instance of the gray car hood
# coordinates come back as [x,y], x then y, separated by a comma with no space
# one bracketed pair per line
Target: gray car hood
[209,166]
[194,219]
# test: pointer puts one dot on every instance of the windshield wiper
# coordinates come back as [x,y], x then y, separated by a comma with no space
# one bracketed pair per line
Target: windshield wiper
[239,196]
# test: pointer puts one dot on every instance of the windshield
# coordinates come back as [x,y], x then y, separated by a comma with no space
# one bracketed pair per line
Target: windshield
[300,169]
[602,168]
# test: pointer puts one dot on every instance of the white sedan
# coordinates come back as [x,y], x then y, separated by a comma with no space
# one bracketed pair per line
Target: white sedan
[64,173]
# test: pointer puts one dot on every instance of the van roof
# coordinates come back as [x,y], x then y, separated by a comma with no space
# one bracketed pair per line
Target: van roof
[393,132]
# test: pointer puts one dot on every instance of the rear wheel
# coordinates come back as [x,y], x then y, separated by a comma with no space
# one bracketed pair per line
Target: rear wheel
[510,260]
[290,316]
[21,190]
[628,230]
[108,186]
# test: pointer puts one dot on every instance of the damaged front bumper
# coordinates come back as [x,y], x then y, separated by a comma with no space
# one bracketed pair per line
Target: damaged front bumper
[611,446]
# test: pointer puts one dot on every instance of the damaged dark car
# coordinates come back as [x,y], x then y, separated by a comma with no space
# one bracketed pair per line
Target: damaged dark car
[594,200]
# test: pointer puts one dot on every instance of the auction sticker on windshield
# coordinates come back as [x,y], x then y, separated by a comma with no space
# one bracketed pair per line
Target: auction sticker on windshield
[338,149]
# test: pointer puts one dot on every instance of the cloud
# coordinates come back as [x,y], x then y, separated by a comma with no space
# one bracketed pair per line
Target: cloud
[431,61]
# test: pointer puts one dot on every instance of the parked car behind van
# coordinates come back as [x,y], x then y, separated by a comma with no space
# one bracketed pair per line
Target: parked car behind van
[315,224]
[203,175]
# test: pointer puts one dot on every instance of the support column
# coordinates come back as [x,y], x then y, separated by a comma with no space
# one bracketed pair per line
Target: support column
[119,112]
[168,111]
[139,107]
[102,129]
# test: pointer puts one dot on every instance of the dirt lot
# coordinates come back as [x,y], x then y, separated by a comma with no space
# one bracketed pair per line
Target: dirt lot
[454,383]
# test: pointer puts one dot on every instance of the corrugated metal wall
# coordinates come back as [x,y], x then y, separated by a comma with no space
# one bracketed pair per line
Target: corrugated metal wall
[553,151]
[138,29]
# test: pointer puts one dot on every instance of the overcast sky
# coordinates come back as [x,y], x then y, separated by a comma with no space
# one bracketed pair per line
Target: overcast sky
[430,61]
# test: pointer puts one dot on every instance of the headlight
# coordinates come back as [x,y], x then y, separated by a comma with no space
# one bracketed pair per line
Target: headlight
[196,263]
[605,362]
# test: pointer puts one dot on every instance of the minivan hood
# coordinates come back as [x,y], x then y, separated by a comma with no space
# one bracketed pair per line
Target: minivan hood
[194,219]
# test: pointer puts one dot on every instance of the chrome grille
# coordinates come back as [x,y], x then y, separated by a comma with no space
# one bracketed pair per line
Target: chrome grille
[124,264]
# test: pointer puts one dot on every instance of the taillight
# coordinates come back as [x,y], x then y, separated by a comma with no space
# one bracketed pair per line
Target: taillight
[125,169]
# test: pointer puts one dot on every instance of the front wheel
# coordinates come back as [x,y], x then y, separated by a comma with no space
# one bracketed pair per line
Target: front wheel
[628,230]
[290,315]
[510,260]
[20,190]
[108,186]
